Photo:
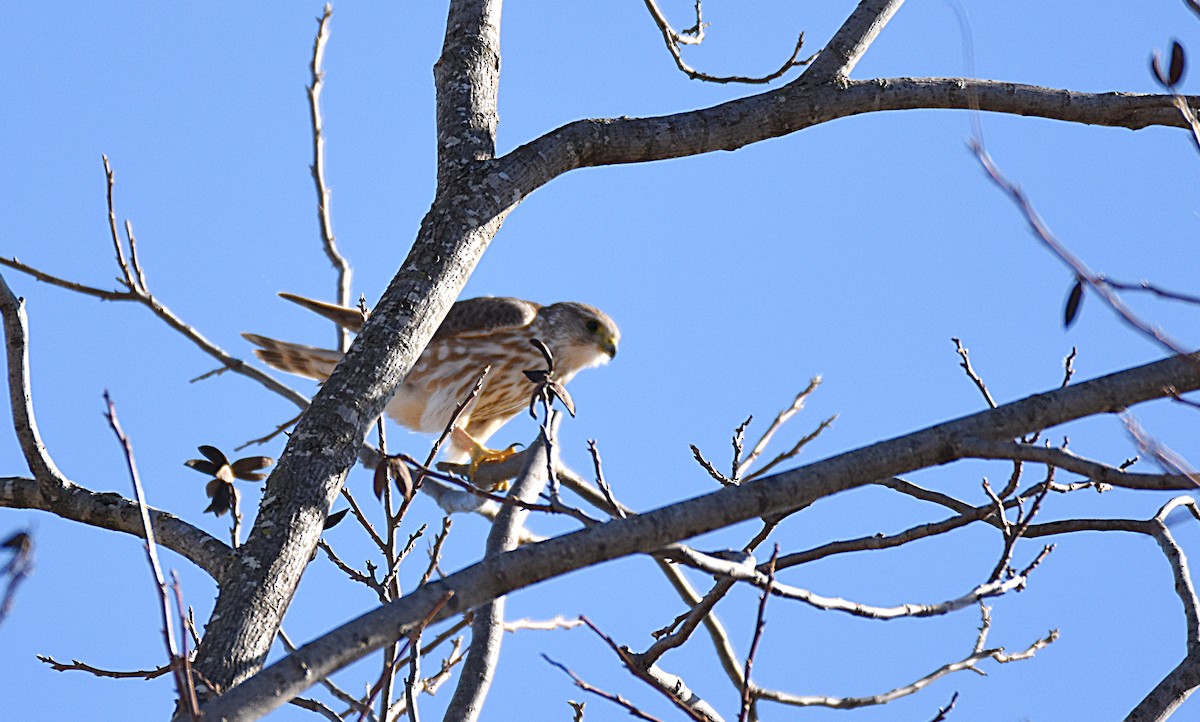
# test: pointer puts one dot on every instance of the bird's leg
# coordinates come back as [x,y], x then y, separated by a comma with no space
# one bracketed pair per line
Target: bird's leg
[481,455]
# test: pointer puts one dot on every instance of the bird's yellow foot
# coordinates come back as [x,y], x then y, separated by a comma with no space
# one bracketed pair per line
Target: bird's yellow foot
[481,455]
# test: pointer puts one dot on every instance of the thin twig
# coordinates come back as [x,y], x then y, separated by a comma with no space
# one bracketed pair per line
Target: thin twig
[112,225]
[1068,373]
[184,656]
[966,365]
[794,451]
[77,666]
[780,419]
[318,173]
[1094,281]
[614,698]
[739,438]
[712,470]
[967,663]
[140,294]
[630,662]
[614,507]
[181,682]
[278,430]
[694,36]
[759,625]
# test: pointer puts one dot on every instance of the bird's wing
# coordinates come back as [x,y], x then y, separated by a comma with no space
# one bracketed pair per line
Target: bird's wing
[482,316]
[350,318]
[471,317]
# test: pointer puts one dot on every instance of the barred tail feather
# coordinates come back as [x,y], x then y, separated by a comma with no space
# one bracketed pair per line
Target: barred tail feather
[315,363]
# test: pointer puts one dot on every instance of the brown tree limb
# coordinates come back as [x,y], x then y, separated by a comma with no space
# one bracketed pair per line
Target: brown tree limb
[1182,681]
[16,341]
[837,59]
[116,513]
[50,491]
[800,105]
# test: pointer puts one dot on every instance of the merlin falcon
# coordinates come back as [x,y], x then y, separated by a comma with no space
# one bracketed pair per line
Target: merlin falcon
[476,333]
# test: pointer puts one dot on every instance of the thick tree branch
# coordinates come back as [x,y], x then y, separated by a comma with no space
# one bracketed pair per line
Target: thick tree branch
[1181,682]
[50,491]
[16,342]
[116,513]
[464,218]
[646,532]
[799,105]
[487,629]
[850,42]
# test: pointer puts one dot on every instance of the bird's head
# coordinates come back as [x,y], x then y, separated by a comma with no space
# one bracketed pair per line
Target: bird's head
[580,335]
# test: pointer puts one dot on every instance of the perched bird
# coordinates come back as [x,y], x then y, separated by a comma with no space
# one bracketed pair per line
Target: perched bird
[476,332]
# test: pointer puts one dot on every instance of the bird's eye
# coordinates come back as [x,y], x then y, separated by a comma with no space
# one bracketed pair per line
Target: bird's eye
[593,326]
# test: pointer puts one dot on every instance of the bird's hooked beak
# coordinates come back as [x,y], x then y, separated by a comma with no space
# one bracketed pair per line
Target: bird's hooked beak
[609,346]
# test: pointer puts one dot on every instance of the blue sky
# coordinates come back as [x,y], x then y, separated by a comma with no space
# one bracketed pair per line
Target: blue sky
[855,250]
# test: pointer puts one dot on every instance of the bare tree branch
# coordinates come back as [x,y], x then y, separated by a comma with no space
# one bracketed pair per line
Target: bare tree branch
[968,662]
[183,682]
[800,105]
[135,280]
[16,336]
[116,513]
[1182,681]
[487,629]
[614,698]
[695,36]
[318,173]
[51,491]
[847,46]
[1063,459]
[649,531]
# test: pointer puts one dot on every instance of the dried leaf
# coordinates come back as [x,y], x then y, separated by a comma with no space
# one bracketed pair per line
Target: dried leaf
[1073,301]
[20,542]
[538,376]
[251,476]
[250,464]
[1154,68]
[404,480]
[381,479]
[1177,64]
[204,466]
[557,388]
[335,518]
[214,455]
[537,343]
[222,495]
